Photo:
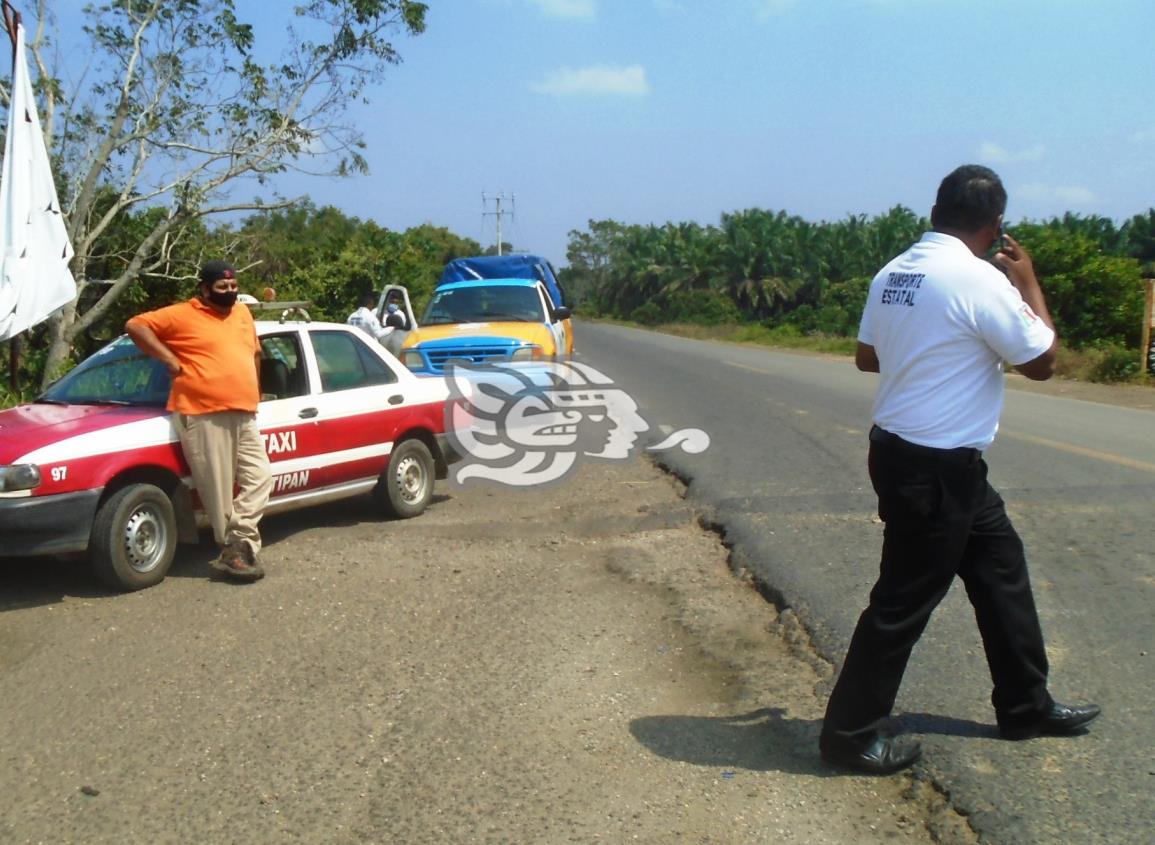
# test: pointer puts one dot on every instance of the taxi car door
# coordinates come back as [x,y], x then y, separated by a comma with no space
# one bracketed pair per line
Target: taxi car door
[288,414]
[357,418]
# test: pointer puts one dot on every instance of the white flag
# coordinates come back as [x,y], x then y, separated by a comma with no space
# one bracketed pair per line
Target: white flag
[34,248]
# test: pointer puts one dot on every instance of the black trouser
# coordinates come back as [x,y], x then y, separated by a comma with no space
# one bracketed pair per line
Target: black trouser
[942,519]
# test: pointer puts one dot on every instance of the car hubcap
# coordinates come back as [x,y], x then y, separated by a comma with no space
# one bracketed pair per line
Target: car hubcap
[144,540]
[411,480]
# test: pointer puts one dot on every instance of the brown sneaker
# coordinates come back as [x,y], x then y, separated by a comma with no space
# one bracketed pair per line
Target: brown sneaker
[236,562]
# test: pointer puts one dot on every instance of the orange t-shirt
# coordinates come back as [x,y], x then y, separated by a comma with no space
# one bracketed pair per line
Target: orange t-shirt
[216,351]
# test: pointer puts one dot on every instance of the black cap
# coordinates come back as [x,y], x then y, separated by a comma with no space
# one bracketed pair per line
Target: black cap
[213,270]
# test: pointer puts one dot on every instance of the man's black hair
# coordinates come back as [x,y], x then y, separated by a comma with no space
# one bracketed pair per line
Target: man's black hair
[368,299]
[969,198]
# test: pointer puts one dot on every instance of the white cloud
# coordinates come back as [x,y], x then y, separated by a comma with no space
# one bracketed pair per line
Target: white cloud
[567,8]
[597,79]
[1075,194]
[1067,194]
[993,153]
[766,9]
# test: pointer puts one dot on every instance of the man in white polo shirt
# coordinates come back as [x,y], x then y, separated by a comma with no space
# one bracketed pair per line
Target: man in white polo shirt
[939,322]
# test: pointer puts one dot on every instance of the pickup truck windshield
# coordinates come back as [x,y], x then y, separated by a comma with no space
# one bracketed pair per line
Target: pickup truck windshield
[484,304]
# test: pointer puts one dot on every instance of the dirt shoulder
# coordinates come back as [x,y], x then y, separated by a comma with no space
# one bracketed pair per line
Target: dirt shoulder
[575,664]
[1122,395]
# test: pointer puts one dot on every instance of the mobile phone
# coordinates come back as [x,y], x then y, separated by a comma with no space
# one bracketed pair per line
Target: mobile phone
[998,244]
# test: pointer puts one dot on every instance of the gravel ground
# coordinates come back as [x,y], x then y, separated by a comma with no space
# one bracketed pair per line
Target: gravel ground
[572,664]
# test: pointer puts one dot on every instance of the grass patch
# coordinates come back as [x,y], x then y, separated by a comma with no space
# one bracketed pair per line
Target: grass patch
[781,337]
[1104,365]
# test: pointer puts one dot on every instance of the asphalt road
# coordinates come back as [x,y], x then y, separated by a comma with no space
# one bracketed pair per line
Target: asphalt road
[786,479]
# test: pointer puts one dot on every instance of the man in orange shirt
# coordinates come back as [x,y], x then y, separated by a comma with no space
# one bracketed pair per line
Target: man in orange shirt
[211,348]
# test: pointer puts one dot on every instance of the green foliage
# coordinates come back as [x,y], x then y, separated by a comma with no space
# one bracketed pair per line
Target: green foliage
[1139,237]
[304,253]
[768,264]
[708,308]
[330,259]
[838,311]
[648,314]
[1093,297]
[799,279]
[1115,363]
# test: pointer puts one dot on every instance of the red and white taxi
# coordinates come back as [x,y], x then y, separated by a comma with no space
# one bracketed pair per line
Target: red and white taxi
[94,464]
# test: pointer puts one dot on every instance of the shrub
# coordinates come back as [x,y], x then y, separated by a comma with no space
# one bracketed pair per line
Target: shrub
[648,314]
[1102,363]
[1115,363]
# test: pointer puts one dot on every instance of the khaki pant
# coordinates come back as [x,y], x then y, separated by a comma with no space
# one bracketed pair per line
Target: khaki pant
[225,453]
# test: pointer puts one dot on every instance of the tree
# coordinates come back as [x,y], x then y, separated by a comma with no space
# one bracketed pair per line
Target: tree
[177,117]
[1139,233]
[1094,298]
[331,259]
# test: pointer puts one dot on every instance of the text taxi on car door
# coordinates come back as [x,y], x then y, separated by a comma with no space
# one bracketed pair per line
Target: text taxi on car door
[488,309]
[94,464]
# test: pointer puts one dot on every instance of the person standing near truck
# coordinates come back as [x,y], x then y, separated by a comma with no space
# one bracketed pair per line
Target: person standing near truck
[210,347]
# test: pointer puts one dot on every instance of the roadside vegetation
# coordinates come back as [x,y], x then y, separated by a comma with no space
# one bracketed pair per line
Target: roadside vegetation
[769,277]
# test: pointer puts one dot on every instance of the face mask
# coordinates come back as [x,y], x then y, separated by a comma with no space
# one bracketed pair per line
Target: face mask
[223,298]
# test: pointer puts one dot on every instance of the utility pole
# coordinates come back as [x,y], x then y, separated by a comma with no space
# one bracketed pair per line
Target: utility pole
[1147,349]
[497,212]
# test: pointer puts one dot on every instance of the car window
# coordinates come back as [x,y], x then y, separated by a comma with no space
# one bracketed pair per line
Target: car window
[282,367]
[346,362]
[117,374]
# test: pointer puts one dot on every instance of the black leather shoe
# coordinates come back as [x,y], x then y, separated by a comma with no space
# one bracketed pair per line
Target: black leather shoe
[880,757]
[1060,720]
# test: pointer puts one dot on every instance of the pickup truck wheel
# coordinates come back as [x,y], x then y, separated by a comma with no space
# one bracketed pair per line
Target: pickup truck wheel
[406,486]
[133,538]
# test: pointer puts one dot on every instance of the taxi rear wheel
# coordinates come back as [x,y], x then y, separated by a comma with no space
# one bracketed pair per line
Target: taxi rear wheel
[134,537]
[406,486]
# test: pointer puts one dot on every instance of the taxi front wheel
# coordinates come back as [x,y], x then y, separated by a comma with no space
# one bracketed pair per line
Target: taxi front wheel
[134,537]
[406,486]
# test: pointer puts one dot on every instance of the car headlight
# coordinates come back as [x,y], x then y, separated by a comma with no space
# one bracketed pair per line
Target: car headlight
[19,477]
[531,352]
[412,359]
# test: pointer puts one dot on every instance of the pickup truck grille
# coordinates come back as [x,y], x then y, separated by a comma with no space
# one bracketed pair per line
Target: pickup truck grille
[474,354]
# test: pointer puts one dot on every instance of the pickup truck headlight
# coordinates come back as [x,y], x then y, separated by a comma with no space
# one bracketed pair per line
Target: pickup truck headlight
[531,352]
[412,359]
[19,477]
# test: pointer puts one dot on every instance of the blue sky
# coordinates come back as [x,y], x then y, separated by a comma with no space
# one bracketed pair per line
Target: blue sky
[648,111]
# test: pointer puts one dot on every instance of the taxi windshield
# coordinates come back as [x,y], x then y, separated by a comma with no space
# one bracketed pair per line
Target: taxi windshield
[118,374]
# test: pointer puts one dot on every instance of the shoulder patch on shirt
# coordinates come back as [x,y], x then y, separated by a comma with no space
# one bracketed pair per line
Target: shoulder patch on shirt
[1028,316]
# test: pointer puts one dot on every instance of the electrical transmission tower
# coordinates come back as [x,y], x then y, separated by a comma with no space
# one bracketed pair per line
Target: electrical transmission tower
[498,212]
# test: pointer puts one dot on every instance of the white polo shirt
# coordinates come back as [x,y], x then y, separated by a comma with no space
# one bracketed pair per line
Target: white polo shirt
[942,322]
